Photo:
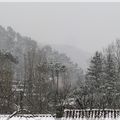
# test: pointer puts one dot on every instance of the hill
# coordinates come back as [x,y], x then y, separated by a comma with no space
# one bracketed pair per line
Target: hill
[76,54]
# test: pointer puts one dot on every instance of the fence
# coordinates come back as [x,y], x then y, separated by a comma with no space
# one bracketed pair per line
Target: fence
[94,113]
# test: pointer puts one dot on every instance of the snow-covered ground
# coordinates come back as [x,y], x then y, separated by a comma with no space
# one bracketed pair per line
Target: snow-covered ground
[27,117]
[49,117]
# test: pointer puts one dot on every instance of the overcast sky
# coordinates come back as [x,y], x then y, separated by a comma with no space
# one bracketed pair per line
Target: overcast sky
[89,26]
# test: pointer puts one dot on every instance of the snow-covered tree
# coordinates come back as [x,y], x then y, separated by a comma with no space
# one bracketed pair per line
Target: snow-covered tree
[110,76]
[94,77]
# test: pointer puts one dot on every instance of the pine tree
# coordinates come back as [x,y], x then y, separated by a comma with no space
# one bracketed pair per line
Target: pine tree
[95,70]
[110,77]
[94,78]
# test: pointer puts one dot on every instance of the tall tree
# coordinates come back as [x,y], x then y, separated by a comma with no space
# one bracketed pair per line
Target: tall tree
[110,77]
[94,78]
[6,81]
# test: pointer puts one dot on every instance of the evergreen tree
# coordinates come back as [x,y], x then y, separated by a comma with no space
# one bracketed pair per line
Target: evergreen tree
[94,78]
[6,81]
[110,77]
[95,70]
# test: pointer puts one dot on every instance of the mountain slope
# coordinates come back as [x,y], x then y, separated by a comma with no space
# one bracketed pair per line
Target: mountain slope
[77,55]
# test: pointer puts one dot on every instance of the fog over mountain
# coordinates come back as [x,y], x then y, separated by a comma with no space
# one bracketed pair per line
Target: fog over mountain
[76,54]
[88,26]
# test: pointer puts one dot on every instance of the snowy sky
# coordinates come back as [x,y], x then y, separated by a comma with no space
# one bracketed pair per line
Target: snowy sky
[89,26]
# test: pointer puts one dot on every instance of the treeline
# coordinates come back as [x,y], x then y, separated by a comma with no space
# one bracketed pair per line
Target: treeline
[32,77]
[102,84]
[41,80]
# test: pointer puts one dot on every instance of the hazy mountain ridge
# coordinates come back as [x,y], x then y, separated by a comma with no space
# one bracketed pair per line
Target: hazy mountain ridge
[76,55]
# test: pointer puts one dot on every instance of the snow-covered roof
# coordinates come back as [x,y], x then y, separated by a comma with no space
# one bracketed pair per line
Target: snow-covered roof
[28,117]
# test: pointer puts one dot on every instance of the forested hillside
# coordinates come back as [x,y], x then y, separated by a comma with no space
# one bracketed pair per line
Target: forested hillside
[36,78]
[102,82]
[41,79]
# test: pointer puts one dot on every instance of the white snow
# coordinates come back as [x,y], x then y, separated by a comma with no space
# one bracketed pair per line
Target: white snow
[49,117]
[28,117]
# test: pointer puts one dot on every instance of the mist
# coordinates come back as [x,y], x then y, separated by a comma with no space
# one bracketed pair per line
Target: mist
[88,26]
